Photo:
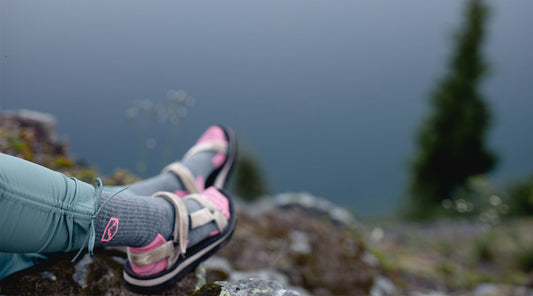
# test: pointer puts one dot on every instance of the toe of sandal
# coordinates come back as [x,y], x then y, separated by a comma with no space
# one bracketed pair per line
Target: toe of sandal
[219,139]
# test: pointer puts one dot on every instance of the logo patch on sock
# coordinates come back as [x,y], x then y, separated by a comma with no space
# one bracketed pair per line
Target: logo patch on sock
[110,230]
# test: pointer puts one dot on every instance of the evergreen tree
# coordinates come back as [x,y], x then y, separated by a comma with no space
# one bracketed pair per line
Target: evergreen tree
[451,140]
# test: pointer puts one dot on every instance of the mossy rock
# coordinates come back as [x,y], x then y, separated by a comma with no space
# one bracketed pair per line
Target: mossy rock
[250,287]
[103,277]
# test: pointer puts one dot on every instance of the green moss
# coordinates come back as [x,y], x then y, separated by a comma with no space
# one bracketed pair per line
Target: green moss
[217,275]
[303,259]
[87,175]
[121,177]
[17,144]
[32,282]
[62,162]
[524,259]
[210,289]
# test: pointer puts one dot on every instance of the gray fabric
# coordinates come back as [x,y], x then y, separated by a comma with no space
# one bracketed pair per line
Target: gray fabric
[163,182]
[141,218]
[199,164]
[198,234]
[138,220]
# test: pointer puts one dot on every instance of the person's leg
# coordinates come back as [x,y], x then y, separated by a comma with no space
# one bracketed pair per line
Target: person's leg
[41,210]
[44,211]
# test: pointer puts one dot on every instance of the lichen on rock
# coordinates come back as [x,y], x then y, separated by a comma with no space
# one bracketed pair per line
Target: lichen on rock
[248,287]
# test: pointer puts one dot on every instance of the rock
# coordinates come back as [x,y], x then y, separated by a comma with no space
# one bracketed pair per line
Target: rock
[218,268]
[299,242]
[97,275]
[382,287]
[430,293]
[313,254]
[486,290]
[32,135]
[261,274]
[370,259]
[80,271]
[48,275]
[247,287]
[44,125]
[315,207]
[490,289]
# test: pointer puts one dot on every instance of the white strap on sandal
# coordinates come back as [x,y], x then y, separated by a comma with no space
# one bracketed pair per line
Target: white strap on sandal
[184,174]
[172,249]
[216,146]
[207,214]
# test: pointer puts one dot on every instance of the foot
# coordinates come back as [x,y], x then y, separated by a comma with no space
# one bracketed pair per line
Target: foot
[208,163]
[203,223]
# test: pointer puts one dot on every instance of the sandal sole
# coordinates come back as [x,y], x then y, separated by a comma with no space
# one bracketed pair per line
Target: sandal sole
[219,178]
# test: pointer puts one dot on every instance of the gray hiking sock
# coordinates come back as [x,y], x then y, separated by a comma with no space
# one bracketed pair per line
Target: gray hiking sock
[199,164]
[163,182]
[135,221]
[130,220]
[198,234]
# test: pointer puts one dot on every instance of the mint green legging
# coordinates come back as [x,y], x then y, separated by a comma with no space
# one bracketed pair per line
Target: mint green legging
[41,211]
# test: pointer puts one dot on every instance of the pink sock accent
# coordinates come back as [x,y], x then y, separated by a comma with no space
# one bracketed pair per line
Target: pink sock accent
[219,200]
[200,182]
[110,230]
[218,160]
[151,268]
[181,193]
[214,133]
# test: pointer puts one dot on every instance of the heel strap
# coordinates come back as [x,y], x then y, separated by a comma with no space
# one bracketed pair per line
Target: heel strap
[171,249]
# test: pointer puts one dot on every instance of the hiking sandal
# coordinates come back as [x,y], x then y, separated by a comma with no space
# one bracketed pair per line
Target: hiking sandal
[216,138]
[177,259]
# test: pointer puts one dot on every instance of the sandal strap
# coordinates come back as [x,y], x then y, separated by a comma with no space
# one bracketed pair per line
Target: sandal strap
[166,250]
[216,146]
[207,214]
[184,174]
[172,249]
[181,221]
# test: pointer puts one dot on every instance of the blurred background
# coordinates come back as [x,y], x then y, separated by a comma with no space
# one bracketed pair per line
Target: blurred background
[328,97]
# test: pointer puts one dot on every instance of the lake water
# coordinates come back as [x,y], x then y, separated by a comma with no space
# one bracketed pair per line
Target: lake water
[327,95]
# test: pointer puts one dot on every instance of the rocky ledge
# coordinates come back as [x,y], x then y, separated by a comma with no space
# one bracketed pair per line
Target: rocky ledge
[287,251]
